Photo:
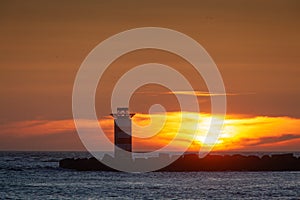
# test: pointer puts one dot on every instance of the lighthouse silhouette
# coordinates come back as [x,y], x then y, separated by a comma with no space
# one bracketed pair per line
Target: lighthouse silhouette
[122,133]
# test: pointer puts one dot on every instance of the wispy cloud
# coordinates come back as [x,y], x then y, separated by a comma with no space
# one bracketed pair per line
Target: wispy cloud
[268,140]
[196,93]
[37,127]
[206,94]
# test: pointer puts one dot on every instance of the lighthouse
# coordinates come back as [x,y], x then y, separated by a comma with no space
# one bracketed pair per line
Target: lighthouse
[122,133]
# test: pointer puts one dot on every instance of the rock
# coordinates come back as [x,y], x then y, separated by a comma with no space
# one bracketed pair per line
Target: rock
[191,162]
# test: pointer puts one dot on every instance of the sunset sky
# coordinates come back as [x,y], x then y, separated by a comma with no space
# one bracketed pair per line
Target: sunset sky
[255,45]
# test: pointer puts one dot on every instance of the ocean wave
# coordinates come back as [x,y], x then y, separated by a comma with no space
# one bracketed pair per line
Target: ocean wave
[14,168]
[51,160]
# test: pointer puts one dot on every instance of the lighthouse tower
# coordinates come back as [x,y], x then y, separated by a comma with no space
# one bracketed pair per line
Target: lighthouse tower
[122,133]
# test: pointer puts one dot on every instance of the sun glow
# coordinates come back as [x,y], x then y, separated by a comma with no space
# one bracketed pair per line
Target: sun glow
[237,131]
[258,133]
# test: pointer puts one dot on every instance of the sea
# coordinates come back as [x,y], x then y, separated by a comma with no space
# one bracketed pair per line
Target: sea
[36,175]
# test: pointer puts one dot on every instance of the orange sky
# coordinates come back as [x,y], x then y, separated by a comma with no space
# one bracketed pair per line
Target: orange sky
[255,45]
[240,133]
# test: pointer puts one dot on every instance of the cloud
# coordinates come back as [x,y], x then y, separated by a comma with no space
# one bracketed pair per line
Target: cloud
[238,132]
[268,140]
[196,93]
[36,127]
[206,94]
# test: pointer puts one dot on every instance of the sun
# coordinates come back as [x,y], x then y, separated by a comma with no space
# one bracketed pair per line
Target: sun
[207,141]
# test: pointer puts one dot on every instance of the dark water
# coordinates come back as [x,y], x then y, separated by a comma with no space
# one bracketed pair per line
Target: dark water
[35,175]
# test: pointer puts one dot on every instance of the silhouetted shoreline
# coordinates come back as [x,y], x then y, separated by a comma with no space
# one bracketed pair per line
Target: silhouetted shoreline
[191,162]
